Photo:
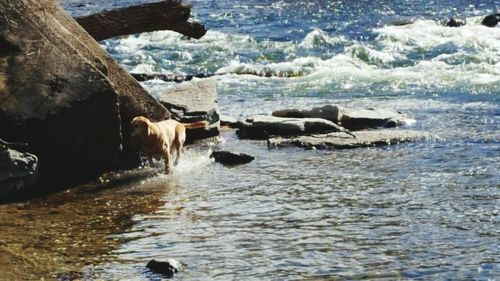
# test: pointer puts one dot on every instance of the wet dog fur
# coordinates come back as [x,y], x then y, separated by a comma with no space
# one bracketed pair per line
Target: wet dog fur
[162,139]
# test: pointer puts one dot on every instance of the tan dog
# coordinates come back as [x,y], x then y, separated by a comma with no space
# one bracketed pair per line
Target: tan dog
[162,139]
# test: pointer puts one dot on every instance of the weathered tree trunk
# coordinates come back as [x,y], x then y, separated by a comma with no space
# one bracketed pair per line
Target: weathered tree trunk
[164,15]
[61,93]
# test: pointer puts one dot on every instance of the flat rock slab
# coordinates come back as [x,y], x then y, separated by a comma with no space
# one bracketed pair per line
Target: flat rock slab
[328,112]
[351,119]
[262,126]
[194,101]
[373,118]
[344,141]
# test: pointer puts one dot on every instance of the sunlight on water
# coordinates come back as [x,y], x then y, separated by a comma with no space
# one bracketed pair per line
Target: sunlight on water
[426,210]
[399,58]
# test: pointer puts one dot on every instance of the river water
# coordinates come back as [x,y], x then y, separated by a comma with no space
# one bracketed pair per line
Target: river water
[426,210]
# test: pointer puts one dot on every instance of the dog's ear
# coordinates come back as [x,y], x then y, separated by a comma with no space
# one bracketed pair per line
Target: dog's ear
[138,126]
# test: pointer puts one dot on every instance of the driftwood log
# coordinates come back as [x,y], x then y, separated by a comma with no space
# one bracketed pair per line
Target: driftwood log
[165,15]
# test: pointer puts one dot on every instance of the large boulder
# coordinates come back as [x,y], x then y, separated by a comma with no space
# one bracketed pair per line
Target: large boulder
[342,140]
[373,118]
[194,101]
[263,126]
[18,172]
[63,94]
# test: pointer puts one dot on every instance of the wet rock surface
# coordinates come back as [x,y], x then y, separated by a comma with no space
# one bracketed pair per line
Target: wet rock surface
[329,112]
[373,118]
[352,119]
[167,268]
[345,141]
[491,20]
[18,173]
[263,126]
[64,95]
[194,101]
[230,158]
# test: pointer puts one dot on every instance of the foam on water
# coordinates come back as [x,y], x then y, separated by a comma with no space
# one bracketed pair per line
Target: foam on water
[319,38]
[400,58]
[426,210]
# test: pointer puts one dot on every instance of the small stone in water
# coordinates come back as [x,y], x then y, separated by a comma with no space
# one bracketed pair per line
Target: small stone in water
[229,158]
[167,268]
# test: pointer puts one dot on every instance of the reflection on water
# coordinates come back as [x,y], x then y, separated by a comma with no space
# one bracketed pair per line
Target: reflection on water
[425,210]
[63,232]
[406,211]
[395,212]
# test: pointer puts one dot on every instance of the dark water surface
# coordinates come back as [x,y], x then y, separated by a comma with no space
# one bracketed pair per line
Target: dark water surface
[427,210]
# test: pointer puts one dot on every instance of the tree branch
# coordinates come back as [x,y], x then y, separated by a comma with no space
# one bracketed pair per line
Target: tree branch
[165,15]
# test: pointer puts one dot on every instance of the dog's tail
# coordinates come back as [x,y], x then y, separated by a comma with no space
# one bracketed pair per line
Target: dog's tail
[196,125]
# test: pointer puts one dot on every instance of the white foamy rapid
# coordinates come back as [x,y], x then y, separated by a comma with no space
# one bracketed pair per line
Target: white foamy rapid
[417,57]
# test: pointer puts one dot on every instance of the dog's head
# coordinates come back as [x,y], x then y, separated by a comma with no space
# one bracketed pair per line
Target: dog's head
[139,126]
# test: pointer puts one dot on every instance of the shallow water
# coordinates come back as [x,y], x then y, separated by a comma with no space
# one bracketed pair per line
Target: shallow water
[426,210]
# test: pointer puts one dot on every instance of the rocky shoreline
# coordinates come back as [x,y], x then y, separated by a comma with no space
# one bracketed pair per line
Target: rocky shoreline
[326,127]
[71,108]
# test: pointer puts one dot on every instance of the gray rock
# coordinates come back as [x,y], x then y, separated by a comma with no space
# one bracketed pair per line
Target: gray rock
[263,126]
[248,131]
[343,141]
[18,173]
[329,112]
[194,101]
[230,158]
[373,118]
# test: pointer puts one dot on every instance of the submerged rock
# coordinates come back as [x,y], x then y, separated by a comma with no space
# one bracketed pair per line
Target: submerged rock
[329,112]
[230,158]
[373,118]
[18,173]
[451,22]
[262,126]
[194,101]
[70,276]
[343,141]
[167,268]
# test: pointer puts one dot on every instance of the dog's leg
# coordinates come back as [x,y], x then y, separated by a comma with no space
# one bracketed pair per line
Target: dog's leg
[179,141]
[167,161]
[173,152]
[178,148]
[179,151]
